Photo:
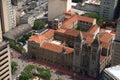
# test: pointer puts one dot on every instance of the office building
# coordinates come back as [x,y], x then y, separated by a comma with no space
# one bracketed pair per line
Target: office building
[107,8]
[57,8]
[116,50]
[5,67]
[8,17]
[117,11]
[0,31]
[112,73]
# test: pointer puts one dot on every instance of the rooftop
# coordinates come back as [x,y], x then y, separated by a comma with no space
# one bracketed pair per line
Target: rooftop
[18,31]
[93,29]
[37,38]
[72,32]
[41,37]
[113,72]
[56,48]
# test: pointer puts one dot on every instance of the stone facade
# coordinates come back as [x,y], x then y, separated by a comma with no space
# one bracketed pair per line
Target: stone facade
[84,58]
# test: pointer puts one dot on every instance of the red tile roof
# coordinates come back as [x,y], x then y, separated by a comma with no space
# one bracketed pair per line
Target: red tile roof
[71,18]
[37,38]
[56,48]
[72,32]
[93,29]
[52,47]
[86,19]
[49,33]
[105,37]
[88,37]
[60,30]
[66,24]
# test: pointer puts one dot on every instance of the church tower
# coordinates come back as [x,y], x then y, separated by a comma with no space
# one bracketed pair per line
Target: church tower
[77,52]
[94,64]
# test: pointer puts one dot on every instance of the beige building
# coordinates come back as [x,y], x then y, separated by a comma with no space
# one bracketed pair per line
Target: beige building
[57,8]
[5,67]
[8,15]
[0,31]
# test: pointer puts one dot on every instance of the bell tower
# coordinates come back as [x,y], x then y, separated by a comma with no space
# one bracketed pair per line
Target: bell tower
[78,41]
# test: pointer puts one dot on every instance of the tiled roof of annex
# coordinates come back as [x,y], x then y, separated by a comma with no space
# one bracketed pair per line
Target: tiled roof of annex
[70,32]
[38,38]
[93,29]
[57,48]
[88,37]
[71,18]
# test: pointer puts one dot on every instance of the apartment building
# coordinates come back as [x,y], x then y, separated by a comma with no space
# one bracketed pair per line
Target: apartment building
[8,15]
[57,8]
[0,31]
[107,8]
[5,67]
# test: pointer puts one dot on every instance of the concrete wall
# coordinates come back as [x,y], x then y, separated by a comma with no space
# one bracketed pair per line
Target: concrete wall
[57,8]
[0,32]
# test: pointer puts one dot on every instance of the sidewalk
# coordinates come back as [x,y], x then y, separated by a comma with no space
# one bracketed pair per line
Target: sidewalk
[59,69]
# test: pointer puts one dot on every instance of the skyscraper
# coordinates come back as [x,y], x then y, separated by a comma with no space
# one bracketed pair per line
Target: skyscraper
[116,48]
[5,67]
[107,8]
[58,7]
[0,31]
[7,13]
[117,11]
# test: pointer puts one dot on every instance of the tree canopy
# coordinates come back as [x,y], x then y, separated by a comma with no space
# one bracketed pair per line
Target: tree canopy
[13,66]
[32,71]
[38,25]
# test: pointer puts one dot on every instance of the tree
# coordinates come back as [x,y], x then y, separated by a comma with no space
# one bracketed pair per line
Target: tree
[79,28]
[31,71]
[38,25]
[99,19]
[13,66]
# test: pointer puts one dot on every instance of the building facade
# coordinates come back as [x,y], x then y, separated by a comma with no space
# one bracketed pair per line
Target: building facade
[57,8]
[5,67]
[116,50]
[8,15]
[0,31]
[107,8]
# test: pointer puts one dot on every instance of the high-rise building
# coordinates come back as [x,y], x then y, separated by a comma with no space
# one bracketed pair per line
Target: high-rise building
[0,31]
[116,49]
[117,11]
[5,67]
[7,13]
[107,8]
[56,8]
